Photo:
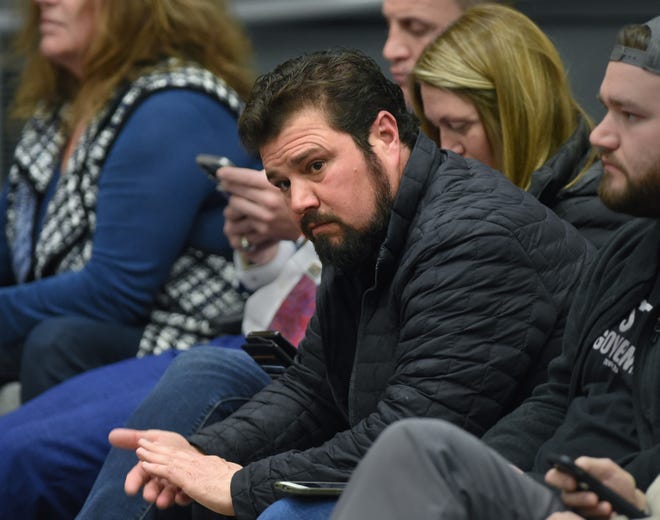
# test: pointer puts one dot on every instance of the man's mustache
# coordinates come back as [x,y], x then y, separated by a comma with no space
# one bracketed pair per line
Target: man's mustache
[313,218]
[610,159]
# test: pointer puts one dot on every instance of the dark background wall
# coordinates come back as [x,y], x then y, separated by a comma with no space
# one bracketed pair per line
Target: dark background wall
[8,21]
[583,30]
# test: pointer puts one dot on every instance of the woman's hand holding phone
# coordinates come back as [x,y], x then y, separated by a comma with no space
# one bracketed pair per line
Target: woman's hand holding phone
[257,216]
[258,208]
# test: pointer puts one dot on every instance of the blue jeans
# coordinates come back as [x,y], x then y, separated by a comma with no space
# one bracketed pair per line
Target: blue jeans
[52,448]
[202,386]
[300,509]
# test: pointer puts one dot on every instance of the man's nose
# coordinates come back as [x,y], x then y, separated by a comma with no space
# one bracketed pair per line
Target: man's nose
[303,197]
[394,48]
[604,135]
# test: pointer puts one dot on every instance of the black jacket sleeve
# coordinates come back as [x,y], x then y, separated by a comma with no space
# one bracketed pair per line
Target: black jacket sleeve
[519,435]
[645,467]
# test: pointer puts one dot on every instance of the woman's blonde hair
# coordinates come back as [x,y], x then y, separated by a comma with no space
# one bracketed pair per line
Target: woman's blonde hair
[132,36]
[500,61]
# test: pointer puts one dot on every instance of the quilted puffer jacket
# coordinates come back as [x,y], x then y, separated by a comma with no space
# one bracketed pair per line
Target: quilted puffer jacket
[465,307]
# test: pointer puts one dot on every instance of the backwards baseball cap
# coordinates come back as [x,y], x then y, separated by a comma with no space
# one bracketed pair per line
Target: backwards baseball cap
[648,59]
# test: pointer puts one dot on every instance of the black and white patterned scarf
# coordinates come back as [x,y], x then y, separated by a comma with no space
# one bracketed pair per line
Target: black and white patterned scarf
[202,288]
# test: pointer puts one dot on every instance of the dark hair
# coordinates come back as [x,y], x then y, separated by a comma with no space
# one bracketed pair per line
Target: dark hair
[345,84]
[635,36]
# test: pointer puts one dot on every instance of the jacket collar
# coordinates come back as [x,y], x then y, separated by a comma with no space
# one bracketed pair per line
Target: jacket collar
[424,160]
[563,167]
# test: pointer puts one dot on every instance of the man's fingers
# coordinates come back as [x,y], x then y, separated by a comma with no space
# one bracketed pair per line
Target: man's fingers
[182,498]
[128,439]
[135,479]
[156,453]
[152,488]
[166,498]
[164,472]
[125,438]
[580,499]
[587,504]
[560,480]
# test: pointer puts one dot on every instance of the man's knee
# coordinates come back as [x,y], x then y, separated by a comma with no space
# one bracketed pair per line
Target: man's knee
[218,361]
[422,439]
[197,358]
[418,431]
[298,509]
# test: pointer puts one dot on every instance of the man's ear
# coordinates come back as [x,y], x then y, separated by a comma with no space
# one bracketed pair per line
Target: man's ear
[384,130]
[385,143]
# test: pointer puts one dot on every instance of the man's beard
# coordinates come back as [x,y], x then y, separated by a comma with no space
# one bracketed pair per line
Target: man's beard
[358,248]
[640,197]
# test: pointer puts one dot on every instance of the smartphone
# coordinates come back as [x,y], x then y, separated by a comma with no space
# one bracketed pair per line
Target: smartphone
[210,164]
[272,338]
[269,349]
[309,488]
[587,482]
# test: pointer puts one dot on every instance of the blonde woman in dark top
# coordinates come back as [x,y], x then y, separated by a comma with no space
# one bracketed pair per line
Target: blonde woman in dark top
[492,87]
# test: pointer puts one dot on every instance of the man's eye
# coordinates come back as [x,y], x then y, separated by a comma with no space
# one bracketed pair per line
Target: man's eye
[283,186]
[316,166]
[417,27]
[630,117]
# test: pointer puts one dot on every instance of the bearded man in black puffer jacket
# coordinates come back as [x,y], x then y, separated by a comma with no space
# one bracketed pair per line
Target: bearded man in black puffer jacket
[445,292]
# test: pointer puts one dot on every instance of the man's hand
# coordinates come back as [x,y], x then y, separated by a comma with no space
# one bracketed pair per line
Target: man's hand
[256,212]
[206,479]
[586,502]
[172,471]
[155,490]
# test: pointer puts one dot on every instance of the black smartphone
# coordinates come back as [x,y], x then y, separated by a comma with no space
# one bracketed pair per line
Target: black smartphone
[309,488]
[269,348]
[587,482]
[209,164]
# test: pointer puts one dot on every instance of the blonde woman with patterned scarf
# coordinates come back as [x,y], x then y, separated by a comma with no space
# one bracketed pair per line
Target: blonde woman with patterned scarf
[111,239]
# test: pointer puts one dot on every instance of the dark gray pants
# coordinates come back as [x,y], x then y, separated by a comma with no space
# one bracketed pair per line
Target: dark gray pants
[430,469]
